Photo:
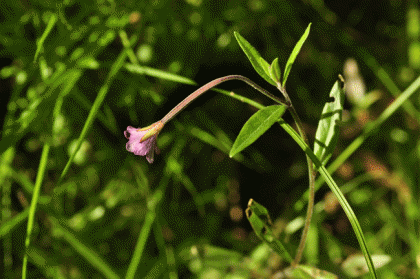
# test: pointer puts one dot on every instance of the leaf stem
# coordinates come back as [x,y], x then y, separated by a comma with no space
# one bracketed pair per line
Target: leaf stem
[212,84]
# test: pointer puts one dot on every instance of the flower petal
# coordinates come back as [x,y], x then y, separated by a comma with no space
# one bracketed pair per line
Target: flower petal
[142,142]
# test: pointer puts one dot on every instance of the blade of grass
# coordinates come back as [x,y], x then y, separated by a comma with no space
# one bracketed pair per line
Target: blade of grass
[11,224]
[32,209]
[367,132]
[337,192]
[350,44]
[371,127]
[12,133]
[171,262]
[127,45]
[387,81]
[43,261]
[184,80]
[40,43]
[157,270]
[102,117]
[84,250]
[94,110]
[143,70]
[144,233]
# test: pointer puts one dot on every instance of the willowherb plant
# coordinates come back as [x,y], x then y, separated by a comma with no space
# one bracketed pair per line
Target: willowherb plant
[142,141]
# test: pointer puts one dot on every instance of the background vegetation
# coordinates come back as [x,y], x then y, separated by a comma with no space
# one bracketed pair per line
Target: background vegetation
[80,72]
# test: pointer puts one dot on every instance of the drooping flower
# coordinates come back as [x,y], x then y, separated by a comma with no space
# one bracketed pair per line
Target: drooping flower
[142,141]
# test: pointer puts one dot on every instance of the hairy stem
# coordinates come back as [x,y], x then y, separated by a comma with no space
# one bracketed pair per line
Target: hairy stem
[212,84]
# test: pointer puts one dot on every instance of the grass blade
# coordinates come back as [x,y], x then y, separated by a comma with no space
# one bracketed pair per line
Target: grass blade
[143,70]
[337,192]
[11,224]
[32,209]
[40,43]
[94,110]
[141,242]
[85,251]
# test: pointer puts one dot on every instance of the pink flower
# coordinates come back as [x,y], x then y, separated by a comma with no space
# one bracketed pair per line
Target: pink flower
[142,141]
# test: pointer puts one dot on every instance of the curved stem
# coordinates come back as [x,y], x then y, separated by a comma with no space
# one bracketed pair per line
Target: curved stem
[311,198]
[312,176]
[298,122]
[212,84]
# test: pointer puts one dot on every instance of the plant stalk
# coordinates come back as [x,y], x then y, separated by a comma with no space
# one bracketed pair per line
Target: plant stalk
[212,84]
[178,108]
[312,176]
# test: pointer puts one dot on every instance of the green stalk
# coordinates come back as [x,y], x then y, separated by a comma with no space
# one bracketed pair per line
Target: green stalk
[212,84]
[312,176]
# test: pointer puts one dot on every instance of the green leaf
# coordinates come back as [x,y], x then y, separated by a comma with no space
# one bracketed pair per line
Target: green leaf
[266,67]
[259,64]
[51,22]
[275,72]
[261,224]
[294,54]
[327,133]
[8,226]
[143,70]
[256,126]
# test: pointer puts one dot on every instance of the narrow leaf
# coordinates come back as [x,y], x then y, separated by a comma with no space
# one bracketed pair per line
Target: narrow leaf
[143,70]
[275,72]
[337,192]
[254,57]
[90,255]
[40,43]
[266,67]
[294,54]
[327,133]
[256,126]
[261,224]
[8,226]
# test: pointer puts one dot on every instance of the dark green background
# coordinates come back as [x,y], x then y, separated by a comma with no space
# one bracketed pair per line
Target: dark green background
[195,39]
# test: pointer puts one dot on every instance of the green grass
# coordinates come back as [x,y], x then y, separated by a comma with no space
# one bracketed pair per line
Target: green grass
[76,204]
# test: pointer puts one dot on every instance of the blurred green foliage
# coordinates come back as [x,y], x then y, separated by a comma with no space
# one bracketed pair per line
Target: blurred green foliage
[121,63]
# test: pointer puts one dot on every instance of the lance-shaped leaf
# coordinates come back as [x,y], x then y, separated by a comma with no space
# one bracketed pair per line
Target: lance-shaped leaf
[261,224]
[266,67]
[259,64]
[256,125]
[327,133]
[294,54]
[275,72]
